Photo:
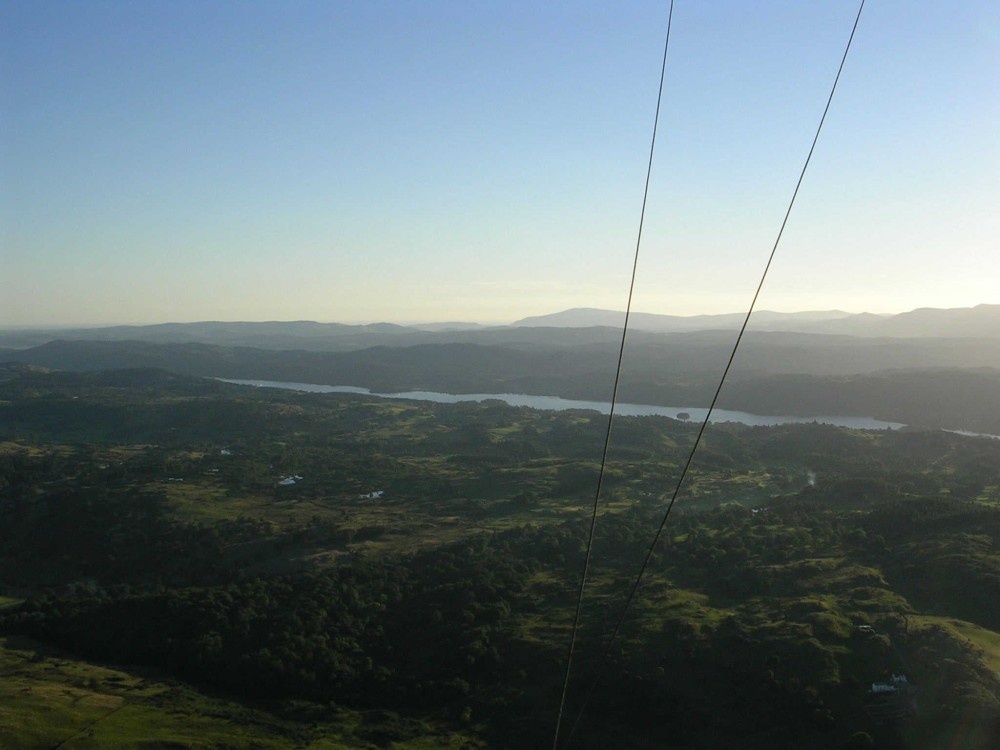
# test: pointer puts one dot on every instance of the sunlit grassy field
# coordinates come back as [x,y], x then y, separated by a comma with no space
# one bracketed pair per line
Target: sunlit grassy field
[50,700]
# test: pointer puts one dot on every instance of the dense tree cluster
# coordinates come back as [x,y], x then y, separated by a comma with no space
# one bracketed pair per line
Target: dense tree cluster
[414,632]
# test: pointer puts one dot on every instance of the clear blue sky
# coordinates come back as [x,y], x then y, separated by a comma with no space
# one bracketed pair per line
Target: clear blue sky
[417,161]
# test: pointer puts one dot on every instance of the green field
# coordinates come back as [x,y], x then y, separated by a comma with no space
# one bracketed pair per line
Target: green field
[49,699]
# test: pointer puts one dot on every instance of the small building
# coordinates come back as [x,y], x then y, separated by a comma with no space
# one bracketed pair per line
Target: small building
[891,700]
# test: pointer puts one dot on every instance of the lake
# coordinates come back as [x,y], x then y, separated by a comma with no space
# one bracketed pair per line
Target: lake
[555,403]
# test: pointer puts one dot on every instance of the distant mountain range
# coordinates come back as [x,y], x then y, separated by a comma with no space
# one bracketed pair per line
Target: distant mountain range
[567,328]
[929,367]
[582,317]
[982,321]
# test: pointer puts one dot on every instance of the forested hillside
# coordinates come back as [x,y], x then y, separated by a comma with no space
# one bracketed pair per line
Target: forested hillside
[914,382]
[342,571]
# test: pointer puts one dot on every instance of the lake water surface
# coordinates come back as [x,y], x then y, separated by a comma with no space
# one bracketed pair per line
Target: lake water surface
[554,403]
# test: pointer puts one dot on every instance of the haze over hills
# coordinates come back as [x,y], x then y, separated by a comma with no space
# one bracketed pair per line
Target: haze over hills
[311,336]
[978,321]
[588,350]
[982,321]
[938,367]
[909,381]
[269,334]
[763,320]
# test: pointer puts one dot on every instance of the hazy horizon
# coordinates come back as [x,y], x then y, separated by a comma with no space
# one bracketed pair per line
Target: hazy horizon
[484,323]
[386,162]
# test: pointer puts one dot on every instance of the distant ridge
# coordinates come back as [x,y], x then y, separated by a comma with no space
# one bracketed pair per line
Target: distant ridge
[449,326]
[273,334]
[566,328]
[582,317]
[981,321]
